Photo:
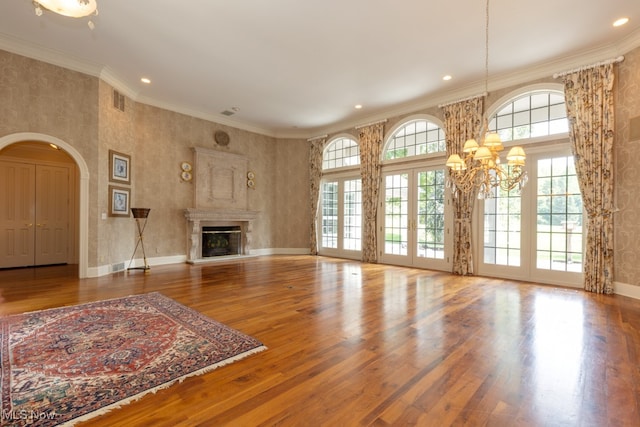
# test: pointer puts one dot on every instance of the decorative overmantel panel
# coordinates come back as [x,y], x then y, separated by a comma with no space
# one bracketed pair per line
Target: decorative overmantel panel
[220,179]
[198,218]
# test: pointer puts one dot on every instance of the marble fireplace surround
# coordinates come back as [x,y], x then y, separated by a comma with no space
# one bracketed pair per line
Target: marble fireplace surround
[220,189]
[199,218]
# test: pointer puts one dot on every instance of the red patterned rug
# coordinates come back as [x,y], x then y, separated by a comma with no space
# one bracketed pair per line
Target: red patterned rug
[71,364]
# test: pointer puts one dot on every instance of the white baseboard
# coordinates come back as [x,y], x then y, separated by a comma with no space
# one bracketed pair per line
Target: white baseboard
[281,251]
[104,270]
[623,289]
[626,290]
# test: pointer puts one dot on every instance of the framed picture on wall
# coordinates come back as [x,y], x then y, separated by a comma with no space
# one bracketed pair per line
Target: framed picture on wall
[119,201]
[119,167]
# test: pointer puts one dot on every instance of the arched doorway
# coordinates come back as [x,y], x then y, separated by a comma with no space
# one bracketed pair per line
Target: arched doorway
[83,196]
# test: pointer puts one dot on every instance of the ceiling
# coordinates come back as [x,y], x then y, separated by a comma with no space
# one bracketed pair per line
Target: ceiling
[295,68]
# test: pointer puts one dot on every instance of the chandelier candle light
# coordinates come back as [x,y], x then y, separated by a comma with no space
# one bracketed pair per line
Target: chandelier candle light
[481,166]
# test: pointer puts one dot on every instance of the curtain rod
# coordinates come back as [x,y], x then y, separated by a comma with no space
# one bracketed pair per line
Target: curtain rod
[317,137]
[586,67]
[372,123]
[464,99]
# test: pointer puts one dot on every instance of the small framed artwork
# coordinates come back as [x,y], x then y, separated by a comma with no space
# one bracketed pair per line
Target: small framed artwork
[119,201]
[119,167]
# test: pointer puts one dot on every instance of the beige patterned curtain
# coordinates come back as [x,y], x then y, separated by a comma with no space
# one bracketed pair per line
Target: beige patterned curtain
[370,151]
[315,175]
[589,99]
[462,121]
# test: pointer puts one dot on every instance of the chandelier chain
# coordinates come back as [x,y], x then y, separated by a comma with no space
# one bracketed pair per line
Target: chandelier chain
[479,168]
[486,49]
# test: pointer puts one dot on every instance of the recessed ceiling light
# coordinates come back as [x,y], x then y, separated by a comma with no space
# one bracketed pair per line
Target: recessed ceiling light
[447,78]
[620,22]
[357,107]
[145,80]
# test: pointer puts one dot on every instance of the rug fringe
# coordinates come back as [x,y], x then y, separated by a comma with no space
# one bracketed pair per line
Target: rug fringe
[164,386]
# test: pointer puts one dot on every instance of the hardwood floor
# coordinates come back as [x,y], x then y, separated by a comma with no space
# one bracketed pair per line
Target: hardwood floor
[361,344]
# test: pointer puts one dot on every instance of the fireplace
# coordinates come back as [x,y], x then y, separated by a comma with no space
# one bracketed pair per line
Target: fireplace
[221,241]
[220,225]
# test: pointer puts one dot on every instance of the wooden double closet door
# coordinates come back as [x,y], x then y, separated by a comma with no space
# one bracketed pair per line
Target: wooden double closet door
[34,214]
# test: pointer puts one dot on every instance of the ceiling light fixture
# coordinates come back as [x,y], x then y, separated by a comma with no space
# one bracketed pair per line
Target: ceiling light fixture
[620,22]
[447,78]
[145,80]
[70,8]
[358,107]
[481,166]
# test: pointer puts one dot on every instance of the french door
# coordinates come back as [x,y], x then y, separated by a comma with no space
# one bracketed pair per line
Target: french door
[414,218]
[341,217]
[537,235]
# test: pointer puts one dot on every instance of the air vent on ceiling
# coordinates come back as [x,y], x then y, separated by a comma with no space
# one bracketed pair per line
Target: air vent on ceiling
[118,100]
[228,113]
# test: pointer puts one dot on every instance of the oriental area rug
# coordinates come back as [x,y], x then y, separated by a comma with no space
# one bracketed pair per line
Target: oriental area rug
[69,364]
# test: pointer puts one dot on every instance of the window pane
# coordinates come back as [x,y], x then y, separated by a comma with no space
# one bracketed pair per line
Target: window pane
[430,219]
[539,100]
[522,118]
[557,112]
[502,228]
[352,229]
[505,122]
[396,214]
[539,129]
[558,126]
[522,104]
[329,231]
[559,227]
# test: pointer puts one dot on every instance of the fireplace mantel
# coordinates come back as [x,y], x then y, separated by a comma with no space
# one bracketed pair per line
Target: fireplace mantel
[198,218]
[193,214]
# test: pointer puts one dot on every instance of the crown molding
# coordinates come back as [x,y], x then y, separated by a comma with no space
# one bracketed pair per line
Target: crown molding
[50,56]
[206,116]
[496,82]
[110,77]
[533,72]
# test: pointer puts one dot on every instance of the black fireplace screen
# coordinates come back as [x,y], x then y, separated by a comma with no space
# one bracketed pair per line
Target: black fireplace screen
[221,241]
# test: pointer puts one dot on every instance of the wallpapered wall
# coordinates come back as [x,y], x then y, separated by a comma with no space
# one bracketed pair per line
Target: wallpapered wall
[78,109]
[627,173]
[43,98]
[164,140]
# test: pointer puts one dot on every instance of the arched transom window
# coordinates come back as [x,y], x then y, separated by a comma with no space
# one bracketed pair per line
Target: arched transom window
[340,153]
[415,138]
[532,114]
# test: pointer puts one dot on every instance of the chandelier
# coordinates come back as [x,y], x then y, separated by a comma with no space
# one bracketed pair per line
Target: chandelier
[70,8]
[480,167]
